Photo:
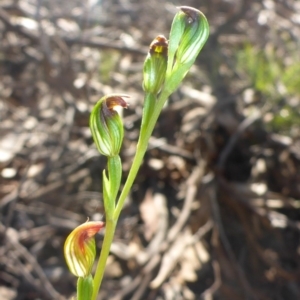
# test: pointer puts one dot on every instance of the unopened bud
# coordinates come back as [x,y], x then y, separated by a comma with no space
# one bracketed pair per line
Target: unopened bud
[194,36]
[188,35]
[189,32]
[155,65]
[106,125]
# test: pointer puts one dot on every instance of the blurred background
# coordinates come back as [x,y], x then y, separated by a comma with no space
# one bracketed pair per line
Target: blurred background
[214,212]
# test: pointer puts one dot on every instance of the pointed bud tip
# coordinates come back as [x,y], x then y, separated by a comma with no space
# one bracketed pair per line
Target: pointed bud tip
[191,12]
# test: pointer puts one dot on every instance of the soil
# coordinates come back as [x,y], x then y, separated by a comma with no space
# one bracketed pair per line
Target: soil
[214,211]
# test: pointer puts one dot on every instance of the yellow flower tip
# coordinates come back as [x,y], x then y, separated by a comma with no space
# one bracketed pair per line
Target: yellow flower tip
[80,249]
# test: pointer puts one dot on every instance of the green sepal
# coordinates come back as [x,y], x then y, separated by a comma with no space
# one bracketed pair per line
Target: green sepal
[99,131]
[177,29]
[194,37]
[116,130]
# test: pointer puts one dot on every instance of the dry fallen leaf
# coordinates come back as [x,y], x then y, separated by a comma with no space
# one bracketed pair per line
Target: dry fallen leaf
[149,215]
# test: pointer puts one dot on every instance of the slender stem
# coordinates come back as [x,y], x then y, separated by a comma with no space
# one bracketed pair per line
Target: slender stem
[142,145]
[110,227]
[146,131]
[115,173]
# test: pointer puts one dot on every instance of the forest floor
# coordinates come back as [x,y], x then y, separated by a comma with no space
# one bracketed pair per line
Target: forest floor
[214,212]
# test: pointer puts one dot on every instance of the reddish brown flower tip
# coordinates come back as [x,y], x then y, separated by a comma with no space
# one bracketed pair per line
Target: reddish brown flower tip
[191,12]
[79,248]
[116,100]
[159,45]
[86,231]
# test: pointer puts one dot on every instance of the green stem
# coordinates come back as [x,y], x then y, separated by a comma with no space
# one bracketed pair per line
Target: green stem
[114,175]
[146,131]
[110,227]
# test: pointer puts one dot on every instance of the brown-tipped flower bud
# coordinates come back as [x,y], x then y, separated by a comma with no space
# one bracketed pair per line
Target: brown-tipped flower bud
[106,125]
[155,65]
[80,249]
[194,36]
[188,35]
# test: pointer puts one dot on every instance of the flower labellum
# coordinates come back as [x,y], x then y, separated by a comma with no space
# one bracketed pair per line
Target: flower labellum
[106,125]
[80,249]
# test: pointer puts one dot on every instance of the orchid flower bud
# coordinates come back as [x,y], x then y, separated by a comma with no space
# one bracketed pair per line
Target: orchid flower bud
[80,248]
[188,34]
[194,36]
[106,125]
[155,65]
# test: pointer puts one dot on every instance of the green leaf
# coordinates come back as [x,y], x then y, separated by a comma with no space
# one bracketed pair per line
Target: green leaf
[85,288]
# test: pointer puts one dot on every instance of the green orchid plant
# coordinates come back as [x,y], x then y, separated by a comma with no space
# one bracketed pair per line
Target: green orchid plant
[165,66]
